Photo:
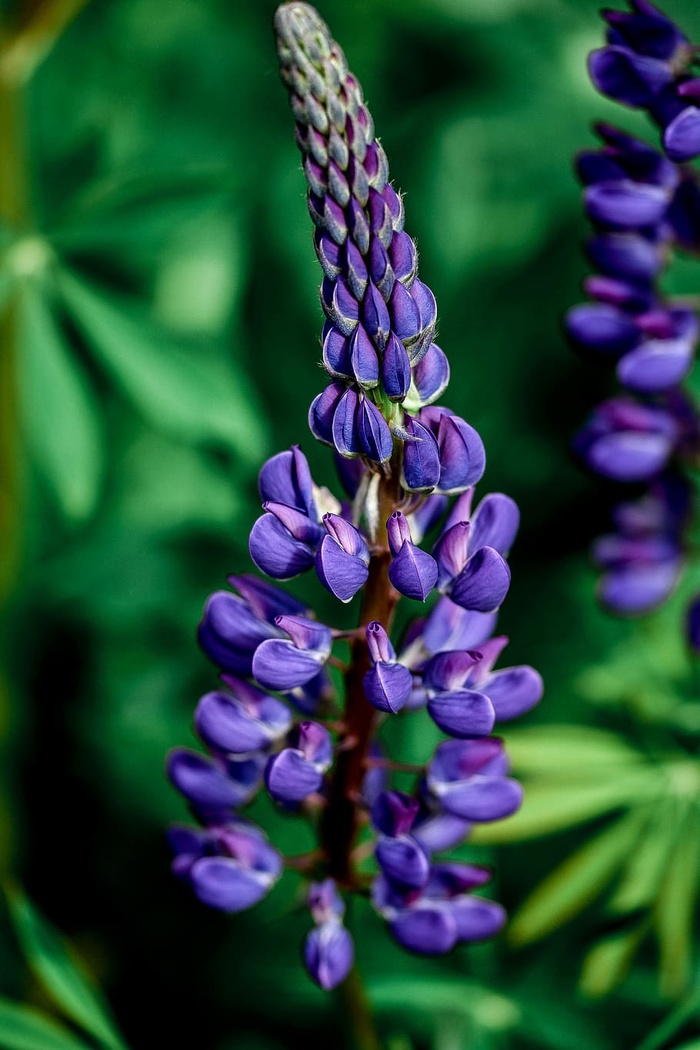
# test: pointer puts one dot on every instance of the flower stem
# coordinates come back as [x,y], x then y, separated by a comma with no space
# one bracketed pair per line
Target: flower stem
[342,818]
[363,1033]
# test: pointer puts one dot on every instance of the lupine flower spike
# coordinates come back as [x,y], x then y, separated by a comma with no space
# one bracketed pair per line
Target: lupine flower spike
[273,722]
[644,205]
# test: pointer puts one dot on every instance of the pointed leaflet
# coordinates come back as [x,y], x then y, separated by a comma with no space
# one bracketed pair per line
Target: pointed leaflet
[23,1028]
[175,384]
[62,428]
[51,961]
[576,882]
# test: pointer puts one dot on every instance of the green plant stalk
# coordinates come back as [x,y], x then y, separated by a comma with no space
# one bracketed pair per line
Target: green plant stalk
[361,1028]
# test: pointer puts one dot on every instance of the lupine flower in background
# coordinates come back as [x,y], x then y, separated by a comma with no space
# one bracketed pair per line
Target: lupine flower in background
[276,720]
[644,205]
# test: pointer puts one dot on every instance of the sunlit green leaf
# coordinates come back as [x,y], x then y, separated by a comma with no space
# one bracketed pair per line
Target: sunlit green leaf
[59,409]
[558,749]
[552,805]
[176,386]
[23,1028]
[437,994]
[643,871]
[577,881]
[607,962]
[51,961]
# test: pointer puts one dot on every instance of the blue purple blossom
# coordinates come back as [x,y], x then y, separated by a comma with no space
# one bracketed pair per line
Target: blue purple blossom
[644,206]
[279,721]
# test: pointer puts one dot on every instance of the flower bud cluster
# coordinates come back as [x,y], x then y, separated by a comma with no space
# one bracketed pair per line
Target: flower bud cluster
[643,206]
[279,722]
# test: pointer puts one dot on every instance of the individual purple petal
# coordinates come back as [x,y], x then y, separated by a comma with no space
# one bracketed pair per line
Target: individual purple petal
[625,204]
[462,455]
[265,600]
[375,316]
[648,32]
[421,468]
[336,352]
[427,316]
[626,77]
[380,268]
[230,632]
[481,798]
[450,627]
[456,760]
[464,713]
[328,954]
[513,691]
[314,742]
[290,777]
[403,861]
[327,251]
[388,686]
[325,903]
[627,255]
[452,551]
[450,670]
[322,412]
[345,433]
[286,478]
[484,582]
[682,136]
[373,432]
[278,664]
[404,258]
[428,930]
[305,633]
[202,781]
[451,880]
[223,883]
[603,328]
[393,812]
[477,919]
[341,573]
[441,832]
[229,725]
[657,365]
[633,590]
[431,375]
[343,308]
[398,531]
[276,552]
[405,319]
[413,572]
[396,370]
[629,455]
[363,358]
[495,523]
[380,648]
[355,269]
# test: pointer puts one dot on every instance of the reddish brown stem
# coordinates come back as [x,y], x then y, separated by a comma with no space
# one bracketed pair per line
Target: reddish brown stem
[342,817]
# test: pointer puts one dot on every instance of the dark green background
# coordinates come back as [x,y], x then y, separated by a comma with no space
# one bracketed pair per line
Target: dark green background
[164,179]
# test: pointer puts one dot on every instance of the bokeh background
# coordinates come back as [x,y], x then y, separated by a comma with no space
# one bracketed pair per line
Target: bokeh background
[160,337]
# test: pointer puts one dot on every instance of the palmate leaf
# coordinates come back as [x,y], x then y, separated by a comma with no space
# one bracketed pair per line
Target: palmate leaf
[644,870]
[22,1028]
[51,962]
[577,881]
[185,392]
[568,749]
[61,424]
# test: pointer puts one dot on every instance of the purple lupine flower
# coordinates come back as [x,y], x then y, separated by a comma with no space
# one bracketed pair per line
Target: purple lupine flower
[294,713]
[328,949]
[693,624]
[644,206]
[647,65]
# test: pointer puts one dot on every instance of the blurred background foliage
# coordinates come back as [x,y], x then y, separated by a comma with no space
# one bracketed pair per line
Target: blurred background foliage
[159,337]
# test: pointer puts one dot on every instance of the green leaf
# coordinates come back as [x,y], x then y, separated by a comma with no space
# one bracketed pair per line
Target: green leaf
[606,964]
[51,962]
[643,873]
[433,996]
[577,881]
[62,427]
[554,805]
[176,385]
[675,905]
[22,1028]
[564,749]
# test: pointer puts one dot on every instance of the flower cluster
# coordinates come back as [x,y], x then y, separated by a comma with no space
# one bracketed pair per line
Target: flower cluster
[648,64]
[643,206]
[277,720]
